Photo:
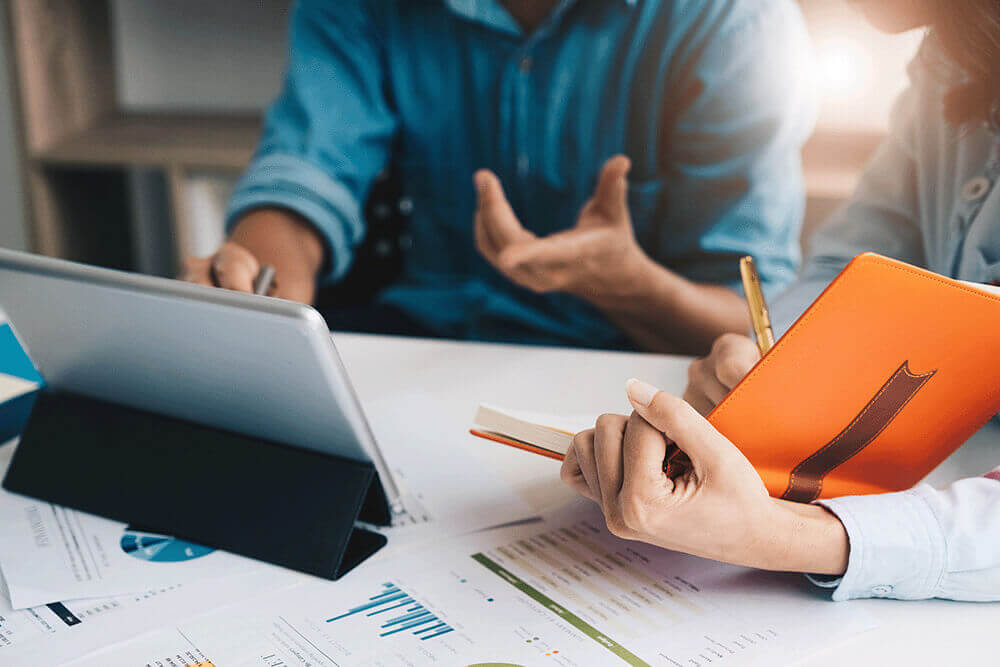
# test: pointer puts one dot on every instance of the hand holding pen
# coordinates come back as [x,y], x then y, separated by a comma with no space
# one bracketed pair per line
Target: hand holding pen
[232,267]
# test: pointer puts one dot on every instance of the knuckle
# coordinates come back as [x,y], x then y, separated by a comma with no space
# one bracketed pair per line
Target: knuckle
[609,422]
[730,371]
[727,343]
[720,343]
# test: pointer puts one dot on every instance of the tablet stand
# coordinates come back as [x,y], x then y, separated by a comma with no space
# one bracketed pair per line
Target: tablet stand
[291,507]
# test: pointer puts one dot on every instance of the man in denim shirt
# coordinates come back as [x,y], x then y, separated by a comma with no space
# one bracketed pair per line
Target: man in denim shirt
[705,97]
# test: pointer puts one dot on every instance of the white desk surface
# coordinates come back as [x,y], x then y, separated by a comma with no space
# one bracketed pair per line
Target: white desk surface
[574,382]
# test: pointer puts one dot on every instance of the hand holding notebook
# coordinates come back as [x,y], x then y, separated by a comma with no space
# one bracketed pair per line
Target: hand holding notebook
[888,372]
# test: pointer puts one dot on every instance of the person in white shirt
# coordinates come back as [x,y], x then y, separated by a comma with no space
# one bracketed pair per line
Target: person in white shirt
[929,197]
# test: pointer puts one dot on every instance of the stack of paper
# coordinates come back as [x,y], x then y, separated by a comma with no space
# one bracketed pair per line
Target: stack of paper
[558,589]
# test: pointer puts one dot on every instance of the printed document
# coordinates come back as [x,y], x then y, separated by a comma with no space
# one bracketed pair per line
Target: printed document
[560,591]
[60,632]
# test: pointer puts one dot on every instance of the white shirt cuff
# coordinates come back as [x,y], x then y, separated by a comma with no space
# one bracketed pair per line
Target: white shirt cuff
[898,549]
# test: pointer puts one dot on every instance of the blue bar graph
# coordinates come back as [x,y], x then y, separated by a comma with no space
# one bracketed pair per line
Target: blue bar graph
[412,615]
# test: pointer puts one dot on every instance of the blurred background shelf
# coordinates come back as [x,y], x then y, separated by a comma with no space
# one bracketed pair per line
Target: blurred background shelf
[157,139]
[132,119]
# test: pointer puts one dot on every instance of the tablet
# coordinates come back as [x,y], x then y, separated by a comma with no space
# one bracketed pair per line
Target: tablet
[251,364]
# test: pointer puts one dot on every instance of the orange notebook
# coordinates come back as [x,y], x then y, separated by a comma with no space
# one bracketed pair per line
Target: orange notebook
[888,372]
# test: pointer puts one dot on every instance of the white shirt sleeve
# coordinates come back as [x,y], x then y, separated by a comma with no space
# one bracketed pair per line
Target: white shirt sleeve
[922,543]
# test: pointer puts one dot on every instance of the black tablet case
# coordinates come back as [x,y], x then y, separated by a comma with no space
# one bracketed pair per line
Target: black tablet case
[291,507]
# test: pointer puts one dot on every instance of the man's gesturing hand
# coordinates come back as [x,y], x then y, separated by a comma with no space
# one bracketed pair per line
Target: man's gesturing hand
[718,508]
[597,259]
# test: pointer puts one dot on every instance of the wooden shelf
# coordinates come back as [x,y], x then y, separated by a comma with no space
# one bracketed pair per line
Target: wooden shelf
[158,140]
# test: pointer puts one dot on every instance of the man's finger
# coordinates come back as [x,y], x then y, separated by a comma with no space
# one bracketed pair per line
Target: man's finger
[680,422]
[702,377]
[611,193]
[495,214]
[234,267]
[483,241]
[733,356]
[196,270]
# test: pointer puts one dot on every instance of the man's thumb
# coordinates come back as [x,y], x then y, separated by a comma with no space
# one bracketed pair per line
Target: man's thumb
[680,422]
[611,194]
[489,192]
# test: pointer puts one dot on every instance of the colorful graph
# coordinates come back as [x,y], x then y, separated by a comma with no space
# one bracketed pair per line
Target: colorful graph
[161,548]
[407,614]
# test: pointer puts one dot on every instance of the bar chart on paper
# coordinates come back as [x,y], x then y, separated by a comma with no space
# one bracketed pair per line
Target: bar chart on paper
[396,611]
[562,592]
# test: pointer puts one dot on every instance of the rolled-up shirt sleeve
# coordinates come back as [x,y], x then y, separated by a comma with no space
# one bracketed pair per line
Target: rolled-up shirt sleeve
[329,132]
[734,157]
[922,543]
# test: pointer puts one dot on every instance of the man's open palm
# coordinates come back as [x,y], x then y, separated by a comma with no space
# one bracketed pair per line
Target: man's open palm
[596,259]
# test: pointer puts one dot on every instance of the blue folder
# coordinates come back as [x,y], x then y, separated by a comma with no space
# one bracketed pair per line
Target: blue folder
[19,382]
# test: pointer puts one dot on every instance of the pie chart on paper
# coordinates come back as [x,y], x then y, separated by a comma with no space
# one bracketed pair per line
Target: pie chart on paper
[161,548]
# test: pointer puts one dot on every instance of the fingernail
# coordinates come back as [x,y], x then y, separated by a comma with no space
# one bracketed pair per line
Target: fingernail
[640,393]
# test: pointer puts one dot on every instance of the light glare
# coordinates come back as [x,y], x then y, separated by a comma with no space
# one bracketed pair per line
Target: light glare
[845,69]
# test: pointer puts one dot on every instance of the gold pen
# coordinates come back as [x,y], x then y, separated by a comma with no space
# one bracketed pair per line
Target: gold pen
[758,306]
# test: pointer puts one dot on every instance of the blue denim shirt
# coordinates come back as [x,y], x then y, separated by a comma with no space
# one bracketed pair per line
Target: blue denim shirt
[929,197]
[705,97]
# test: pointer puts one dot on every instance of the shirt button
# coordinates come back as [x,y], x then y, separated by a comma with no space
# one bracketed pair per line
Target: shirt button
[527,62]
[881,589]
[975,189]
[406,206]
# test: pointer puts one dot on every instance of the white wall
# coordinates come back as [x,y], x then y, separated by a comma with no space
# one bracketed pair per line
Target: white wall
[214,55]
[12,230]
